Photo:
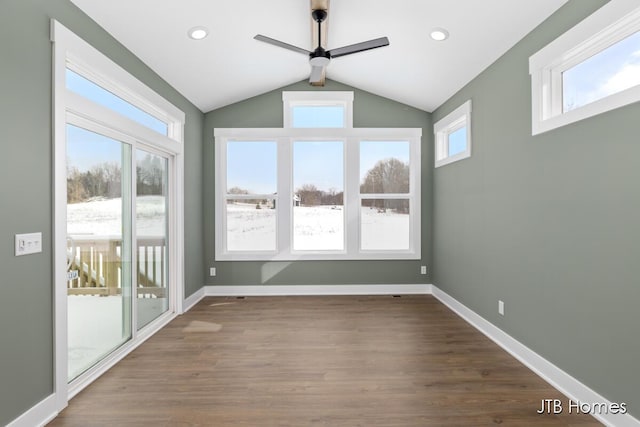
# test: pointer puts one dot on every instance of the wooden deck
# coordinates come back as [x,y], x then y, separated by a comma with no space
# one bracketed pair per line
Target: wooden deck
[97,263]
[317,361]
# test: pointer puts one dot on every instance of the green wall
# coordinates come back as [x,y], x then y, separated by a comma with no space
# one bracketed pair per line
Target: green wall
[26,304]
[550,224]
[266,111]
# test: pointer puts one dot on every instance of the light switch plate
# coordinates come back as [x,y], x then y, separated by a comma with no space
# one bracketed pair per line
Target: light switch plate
[30,243]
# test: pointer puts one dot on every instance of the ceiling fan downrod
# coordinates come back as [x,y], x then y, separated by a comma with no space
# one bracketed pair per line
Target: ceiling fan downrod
[319,15]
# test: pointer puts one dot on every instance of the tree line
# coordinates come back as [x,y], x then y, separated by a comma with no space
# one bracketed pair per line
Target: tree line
[105,180]
[386,176]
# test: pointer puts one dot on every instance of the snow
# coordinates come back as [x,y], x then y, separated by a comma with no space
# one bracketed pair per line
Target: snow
[384,230]
[96,326]
[248,228]
[314,228]
[103,217]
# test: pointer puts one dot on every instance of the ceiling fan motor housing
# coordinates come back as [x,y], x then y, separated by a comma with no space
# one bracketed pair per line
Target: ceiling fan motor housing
[319,15]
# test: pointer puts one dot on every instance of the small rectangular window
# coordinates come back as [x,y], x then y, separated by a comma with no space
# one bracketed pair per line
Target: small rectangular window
[323,109]
[453,136]
[92,91]
[590,69]
[608,72]
[457,142]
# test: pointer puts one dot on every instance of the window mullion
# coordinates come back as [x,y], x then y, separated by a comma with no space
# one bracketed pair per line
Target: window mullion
[284,198]
[352,196]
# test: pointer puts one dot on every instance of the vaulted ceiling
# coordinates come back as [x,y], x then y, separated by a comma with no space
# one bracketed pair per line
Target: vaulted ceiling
[229,65]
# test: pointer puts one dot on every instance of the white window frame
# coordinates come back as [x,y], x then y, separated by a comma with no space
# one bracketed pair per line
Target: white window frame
[285,137]
[292,99]
[457,119]
[70,51]
[608,25]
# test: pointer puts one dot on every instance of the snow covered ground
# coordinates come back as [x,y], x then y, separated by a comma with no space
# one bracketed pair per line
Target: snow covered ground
[248,228]
[314,228]
[96,326]
[104,217]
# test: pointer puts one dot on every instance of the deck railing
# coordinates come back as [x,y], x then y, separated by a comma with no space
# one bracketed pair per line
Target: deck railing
[95,265]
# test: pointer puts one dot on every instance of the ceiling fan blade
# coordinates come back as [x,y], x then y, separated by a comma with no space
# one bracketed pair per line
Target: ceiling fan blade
[278,43]
[317,73]
[359,47]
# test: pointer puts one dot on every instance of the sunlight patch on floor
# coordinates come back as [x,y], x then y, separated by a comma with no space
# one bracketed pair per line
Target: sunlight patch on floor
[221,303]
[200,326]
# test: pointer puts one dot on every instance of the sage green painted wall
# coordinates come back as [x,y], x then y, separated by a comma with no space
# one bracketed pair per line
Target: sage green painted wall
[26,303]
[550,224]
[266,111]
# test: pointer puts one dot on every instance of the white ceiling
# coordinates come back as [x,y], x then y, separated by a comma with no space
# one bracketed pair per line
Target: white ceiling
[229,65]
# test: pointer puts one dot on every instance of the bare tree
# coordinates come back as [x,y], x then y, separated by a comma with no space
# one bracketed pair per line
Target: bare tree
[309,195]
[103,180]
[387,176]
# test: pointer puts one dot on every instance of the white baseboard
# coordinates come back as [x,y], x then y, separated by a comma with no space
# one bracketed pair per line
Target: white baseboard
[193,299]
[39,415]
[556,377]
[291,290]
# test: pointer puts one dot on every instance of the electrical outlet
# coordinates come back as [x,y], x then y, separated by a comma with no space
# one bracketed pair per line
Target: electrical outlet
[28,243]
[501,307]
[212,271]
[423,269]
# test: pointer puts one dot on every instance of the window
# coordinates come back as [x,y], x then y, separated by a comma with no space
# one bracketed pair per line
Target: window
[318,195]
[318,109]
[453,136]
[87,88]
[385,202]
[250,199]
[592,68]
[337,194]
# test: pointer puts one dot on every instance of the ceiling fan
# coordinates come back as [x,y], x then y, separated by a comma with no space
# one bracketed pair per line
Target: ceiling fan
[319,58]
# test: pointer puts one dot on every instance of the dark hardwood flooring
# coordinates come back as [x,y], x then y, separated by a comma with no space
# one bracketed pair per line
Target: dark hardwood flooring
[317,361]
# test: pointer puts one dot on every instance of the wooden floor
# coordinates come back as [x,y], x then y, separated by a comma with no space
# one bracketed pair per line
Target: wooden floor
[317,361]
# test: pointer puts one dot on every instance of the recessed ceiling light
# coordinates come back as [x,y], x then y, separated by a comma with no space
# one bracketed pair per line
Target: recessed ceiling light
[439,34]
[198,33]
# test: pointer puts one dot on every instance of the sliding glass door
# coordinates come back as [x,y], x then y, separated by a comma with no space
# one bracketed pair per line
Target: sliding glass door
[99,236]
[117,217]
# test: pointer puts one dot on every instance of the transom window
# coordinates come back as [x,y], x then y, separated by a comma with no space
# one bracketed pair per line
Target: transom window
[332,109]
[606,73]
[590,69]
[91,90]
[317,193]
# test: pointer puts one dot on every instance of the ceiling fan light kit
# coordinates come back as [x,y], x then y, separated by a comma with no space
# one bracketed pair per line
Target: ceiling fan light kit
[320,58]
